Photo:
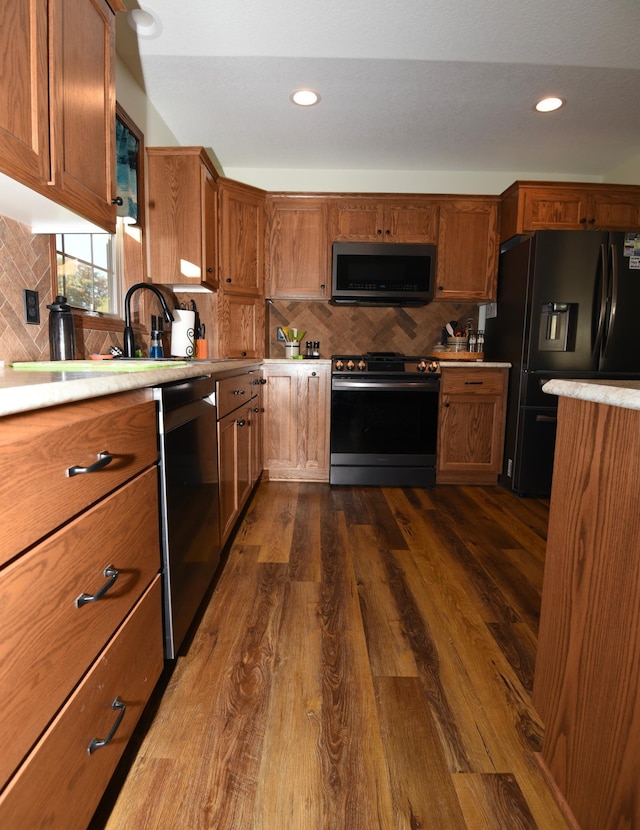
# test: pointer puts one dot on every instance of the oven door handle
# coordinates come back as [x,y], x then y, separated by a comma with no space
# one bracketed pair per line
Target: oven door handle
[385,385]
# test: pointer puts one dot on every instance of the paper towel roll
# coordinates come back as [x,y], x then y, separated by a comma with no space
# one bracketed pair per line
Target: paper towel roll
[183,333]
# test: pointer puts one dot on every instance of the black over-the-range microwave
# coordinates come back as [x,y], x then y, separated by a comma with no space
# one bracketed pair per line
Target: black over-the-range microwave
[382,273]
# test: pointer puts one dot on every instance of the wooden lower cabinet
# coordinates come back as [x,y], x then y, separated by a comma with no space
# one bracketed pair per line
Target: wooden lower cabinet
[83,477]
[296,439]
[61,782]
[471,425]
[239,431]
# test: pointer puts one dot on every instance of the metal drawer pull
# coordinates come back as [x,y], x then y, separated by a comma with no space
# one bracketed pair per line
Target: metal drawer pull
[98,743]
[241,422]
[104,458]
[238,391]
[473,382]
[112,575]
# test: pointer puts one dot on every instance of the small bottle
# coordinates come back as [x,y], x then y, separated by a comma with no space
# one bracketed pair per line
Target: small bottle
[309,352]
[316,348]
[473,341]
[480,341]
[62,337]
[155,350]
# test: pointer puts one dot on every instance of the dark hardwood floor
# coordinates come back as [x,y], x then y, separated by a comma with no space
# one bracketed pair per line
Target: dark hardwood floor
[365,662]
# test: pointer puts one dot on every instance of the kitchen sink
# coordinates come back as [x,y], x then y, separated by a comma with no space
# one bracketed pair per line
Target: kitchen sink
[136,364]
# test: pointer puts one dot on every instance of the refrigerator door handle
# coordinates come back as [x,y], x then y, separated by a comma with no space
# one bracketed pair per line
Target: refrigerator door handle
[613,298]
[604,290]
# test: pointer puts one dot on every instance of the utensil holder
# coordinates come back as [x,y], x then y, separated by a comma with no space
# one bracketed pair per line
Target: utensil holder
[291,349]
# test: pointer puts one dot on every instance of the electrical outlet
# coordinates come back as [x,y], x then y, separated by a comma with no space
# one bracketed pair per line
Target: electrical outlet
[280,335]
[31,306]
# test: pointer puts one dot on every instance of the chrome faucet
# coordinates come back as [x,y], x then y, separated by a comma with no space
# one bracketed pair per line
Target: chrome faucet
[129,340]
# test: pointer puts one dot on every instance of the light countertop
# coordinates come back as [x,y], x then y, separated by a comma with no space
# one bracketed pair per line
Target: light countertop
[622,393]
[24,390]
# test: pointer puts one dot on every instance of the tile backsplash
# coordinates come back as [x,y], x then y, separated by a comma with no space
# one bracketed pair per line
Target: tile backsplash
[340,330]
[25,263]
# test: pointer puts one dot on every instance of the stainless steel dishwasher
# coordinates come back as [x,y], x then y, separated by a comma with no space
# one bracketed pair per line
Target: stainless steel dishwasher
[190,517]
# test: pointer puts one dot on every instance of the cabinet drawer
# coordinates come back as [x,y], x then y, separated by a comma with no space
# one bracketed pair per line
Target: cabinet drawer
[60,784]
[37,450]
[473,381]
[232,393]
[47,641]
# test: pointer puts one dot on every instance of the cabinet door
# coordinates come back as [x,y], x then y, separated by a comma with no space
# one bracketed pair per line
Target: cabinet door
[471,427]
[281,408]
[83,107]
[24,91]
[227,452]
[357,221]
[241,326]
[413,221]
[257,424]
[210,228]
[241,238]
[615,211]
[298,249]
[313,422]
[296,440]
[559,208]
[234,466]
[181,217]
[468,250]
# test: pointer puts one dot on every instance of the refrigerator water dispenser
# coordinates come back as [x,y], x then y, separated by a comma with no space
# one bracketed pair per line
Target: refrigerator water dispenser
[558,327]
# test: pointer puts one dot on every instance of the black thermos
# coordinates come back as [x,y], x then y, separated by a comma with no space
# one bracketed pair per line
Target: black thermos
[62,340]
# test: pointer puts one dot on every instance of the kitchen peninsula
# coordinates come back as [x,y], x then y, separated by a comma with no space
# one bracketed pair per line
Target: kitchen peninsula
[587,676]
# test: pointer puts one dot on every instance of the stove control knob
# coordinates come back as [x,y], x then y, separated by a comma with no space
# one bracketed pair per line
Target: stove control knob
[422,366]
[350,365]
[361,365]
[434,366]
[339,365]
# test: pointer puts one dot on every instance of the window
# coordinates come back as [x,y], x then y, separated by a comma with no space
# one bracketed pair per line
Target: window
[86,269]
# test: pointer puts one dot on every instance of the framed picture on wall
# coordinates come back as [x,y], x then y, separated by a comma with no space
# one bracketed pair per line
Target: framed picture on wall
[129,169]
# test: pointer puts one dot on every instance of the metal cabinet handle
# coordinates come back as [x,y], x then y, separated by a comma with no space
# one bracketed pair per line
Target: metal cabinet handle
[228,279]
[313,374]
[241,422]
[104,458]
[238,391]
[256,409]
[98,743]
[473,382]
[112,574]
[263,381]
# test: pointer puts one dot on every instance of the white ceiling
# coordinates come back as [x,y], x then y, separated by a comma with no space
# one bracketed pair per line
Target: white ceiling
[406,85]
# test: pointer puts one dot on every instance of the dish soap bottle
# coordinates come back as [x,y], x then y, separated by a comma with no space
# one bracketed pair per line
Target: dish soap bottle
[62,338]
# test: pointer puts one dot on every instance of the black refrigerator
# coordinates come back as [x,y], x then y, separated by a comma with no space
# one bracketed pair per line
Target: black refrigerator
[568,306]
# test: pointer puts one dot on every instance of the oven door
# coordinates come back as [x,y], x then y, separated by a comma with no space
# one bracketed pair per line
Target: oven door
[384,431]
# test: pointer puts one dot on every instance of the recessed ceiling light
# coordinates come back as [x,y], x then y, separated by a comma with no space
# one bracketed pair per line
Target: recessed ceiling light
[304,97]
[144,23]
[549,104]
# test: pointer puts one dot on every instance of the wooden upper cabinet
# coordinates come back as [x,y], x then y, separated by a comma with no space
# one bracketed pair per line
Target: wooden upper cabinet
[241,210]
[532,206]
[24,92]
[182,221]
[376,219]
[467,264]
[58,104]
[298,255]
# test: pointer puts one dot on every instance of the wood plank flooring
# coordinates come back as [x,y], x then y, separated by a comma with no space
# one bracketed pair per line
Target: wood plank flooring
[364,663]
